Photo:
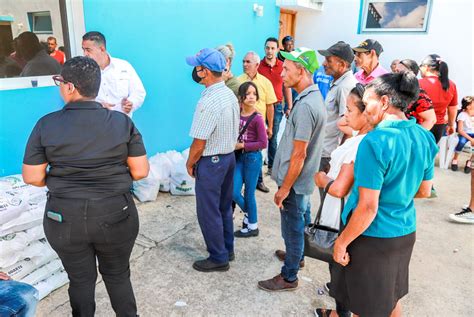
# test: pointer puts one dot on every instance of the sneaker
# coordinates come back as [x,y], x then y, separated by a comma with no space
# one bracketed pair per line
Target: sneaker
[209,266]
[280,254]
[246,233]
[464,216]
[263,188]
[277,284]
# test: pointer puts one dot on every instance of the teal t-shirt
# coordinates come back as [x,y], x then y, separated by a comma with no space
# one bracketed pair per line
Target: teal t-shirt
[394,158]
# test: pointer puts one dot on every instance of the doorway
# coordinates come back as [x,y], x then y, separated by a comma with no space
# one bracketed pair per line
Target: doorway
[287,24]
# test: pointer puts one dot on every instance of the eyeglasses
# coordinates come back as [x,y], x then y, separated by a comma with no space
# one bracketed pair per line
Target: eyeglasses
[360,90]
[58,80]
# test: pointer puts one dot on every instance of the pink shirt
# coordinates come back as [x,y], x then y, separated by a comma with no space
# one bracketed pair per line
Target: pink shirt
[364,80]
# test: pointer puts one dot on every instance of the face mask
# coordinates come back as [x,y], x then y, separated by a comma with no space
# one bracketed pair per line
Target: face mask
[196,78]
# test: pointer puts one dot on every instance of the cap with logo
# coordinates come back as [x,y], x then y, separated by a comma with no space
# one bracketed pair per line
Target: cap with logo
[304,56]
[368,45]
[210,58]
[341,49]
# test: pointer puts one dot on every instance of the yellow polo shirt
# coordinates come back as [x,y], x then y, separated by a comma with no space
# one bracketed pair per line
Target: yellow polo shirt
[266,93]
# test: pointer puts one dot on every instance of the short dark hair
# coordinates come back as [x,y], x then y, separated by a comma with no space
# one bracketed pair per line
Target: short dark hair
[50,38]
[286,39]
[96,37]
[271,39]
[401,88]
[242,93]
[84,73]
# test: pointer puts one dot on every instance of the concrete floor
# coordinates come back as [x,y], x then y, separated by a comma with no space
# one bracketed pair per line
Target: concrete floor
[441,271]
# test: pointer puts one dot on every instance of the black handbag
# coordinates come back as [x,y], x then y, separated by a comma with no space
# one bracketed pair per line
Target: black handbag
[318,239]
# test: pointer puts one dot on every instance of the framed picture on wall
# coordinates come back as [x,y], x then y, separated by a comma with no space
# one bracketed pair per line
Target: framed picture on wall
[394,15]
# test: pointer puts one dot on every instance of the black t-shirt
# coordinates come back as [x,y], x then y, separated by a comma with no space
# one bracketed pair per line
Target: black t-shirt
[86,147]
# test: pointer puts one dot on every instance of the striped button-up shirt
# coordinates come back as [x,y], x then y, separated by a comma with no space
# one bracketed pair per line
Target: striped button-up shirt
[216,120]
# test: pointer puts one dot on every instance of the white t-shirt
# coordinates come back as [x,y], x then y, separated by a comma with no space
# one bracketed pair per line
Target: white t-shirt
[466,121]
[344,154]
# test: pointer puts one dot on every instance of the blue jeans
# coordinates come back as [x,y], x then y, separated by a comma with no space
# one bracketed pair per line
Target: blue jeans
[214,188]
[17,299]
[247,167]
[272,143]
[292,230]
[462,142]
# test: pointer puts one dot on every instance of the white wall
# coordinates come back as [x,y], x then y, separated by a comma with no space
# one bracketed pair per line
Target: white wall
[450,34]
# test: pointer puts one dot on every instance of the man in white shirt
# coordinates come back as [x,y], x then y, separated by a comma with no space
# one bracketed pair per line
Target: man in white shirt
[120,88]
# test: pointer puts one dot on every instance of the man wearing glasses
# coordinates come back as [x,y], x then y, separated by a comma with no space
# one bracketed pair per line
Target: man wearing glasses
[120,89]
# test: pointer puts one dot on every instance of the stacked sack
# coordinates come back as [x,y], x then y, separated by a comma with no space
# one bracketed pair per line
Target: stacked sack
[167,174]
[25,255]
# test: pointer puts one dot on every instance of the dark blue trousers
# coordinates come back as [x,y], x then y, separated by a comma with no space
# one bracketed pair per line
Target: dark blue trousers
[214,186]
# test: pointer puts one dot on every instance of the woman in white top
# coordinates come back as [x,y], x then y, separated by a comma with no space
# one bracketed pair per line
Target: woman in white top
[342,173]
[342,160]
[465,132]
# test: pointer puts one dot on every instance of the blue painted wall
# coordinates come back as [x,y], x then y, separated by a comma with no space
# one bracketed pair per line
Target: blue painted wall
[19,111]
[155,36]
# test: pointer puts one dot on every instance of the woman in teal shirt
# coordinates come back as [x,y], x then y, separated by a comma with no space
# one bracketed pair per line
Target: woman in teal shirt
[394,164]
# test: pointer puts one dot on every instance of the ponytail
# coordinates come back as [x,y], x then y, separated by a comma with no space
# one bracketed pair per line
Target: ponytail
[443,75]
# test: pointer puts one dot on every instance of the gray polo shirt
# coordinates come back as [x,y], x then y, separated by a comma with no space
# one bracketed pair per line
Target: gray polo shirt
[306,123]
[335,107]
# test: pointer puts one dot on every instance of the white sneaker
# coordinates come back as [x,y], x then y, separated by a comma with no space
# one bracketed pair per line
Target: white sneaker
[464,216]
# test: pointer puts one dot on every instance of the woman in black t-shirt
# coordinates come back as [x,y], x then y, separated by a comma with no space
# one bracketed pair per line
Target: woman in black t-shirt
[93,155]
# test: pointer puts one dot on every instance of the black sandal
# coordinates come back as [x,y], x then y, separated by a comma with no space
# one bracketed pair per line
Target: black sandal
[467,168]
[454,167]
[321,312]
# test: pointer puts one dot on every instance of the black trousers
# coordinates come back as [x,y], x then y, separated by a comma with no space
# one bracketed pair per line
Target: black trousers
[438,131]
[104,230]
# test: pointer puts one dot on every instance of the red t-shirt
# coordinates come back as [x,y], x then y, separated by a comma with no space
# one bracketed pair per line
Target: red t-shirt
[442,99]
[59,56]
[273,74]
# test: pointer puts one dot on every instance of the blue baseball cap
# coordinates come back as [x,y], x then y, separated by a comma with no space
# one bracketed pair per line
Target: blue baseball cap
[210,58]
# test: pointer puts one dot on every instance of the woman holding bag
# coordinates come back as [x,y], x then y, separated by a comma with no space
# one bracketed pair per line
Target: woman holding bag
[252,140]
[340,177]
[394,164]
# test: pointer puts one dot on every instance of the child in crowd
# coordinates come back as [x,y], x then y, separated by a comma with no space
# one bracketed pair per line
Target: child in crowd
[248,155]
[465,132]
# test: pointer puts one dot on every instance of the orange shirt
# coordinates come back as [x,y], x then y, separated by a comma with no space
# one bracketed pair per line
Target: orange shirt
[59,56]
[442,99]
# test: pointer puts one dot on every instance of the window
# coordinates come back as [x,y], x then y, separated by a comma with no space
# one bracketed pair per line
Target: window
[58,25]
[395,15]
[40,22]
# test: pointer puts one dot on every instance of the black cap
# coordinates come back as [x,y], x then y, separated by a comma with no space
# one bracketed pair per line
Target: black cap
[341,49]
[368,45]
